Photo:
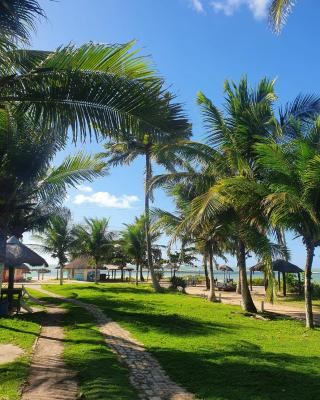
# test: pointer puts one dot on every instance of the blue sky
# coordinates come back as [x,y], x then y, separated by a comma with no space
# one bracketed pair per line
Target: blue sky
[196,45]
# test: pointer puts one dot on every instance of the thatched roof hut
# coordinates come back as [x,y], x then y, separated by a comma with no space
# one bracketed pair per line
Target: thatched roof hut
[225,268]
[81,262]
[18,253]
[282,267]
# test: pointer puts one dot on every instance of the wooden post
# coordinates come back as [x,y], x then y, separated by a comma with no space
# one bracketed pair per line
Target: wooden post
[219,297]
[262,306]
[251,280]
[284,284]
[279,281]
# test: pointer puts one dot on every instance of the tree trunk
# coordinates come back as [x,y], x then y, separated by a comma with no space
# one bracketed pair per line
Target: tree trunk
[238,288]
[10,287]
[141,274]
[61,274]
[155,282]
[96,274]
[307,285]
[247,302]
[3,241]
[205,263]
[137,273]
[211,294]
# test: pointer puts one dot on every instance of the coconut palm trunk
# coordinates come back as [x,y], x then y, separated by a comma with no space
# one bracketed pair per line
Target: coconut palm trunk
[238,289]
[247,302]
[211,294]
[148,176]
[137,273]
[307,285]
[61,273]
[3,241]
[141,274]
[205,263]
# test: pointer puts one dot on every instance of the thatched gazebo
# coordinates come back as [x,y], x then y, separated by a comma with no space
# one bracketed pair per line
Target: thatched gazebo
[16,254]
[79,268]
[226,271]
[114,268]
[282,267]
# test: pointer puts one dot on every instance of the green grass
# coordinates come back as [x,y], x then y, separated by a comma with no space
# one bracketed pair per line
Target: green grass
[214,350]
[20,331]
[100,374]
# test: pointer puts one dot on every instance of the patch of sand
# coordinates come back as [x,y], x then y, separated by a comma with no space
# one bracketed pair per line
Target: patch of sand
[9,352]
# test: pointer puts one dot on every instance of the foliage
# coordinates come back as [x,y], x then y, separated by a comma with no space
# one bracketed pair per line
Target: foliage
[278,13]
[177,281]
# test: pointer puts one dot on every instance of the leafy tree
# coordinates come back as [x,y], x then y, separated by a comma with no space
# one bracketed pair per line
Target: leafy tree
[94,239]
[57,238]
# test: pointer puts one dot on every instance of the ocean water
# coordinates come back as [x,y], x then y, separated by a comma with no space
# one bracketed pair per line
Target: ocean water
[183,272]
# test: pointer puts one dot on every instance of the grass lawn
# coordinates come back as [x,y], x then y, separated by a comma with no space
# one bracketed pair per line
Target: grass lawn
[100,374]
[214,350]
[20,331]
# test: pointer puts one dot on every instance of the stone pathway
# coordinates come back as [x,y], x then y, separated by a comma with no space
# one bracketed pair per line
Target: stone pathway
[49,379]
[146,374]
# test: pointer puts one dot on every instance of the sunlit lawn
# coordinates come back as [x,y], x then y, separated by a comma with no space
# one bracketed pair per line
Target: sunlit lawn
[214,350]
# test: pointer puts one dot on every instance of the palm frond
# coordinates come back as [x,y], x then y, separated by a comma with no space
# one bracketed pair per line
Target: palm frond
[278,13]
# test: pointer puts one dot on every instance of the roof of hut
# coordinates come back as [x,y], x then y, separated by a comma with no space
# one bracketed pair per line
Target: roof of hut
[112,267]
[279,266]
[18,253]
[224,267]
[81,262]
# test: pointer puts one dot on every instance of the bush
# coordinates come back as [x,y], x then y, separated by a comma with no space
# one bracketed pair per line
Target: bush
[176,282]
[159,274]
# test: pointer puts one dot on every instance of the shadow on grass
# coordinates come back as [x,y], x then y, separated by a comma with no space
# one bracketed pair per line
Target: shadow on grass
[247,373]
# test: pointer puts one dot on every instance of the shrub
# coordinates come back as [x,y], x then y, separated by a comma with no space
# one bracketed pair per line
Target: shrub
[176,282]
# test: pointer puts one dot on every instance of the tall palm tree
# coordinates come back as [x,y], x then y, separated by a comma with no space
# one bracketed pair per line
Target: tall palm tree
[293,198]
[162,149]
[57,238]
[94,239]
[279,11]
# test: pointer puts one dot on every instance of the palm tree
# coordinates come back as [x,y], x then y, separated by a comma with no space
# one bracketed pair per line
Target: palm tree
[94,239]
[57,238]
[17,19]
[162,149]
[279,11]
[33,190]
[134,244]
[293,198]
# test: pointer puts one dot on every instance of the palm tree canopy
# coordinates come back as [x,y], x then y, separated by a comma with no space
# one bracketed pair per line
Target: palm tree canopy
[94,239]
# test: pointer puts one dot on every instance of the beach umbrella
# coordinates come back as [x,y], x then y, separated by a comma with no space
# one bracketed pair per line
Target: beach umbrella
[226,270]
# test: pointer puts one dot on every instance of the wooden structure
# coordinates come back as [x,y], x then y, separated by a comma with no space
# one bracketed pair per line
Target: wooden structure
[226,272]
[79,268]
[16,254]
[111,272]
[282,267]
[19,275]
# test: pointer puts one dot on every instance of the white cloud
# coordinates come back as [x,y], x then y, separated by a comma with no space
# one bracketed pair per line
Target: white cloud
[84,188]
[105,199]
[197,5]
[259,8]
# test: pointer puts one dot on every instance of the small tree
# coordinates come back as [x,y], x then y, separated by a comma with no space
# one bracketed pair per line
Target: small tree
[57,238]
[94,239]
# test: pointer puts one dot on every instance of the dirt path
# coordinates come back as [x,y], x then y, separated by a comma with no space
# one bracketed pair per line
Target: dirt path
[258,295]
[146,374]
[49,379]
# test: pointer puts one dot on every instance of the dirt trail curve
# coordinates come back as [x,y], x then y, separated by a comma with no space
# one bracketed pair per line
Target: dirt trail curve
[49,379]
[146,374]
[258,294]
